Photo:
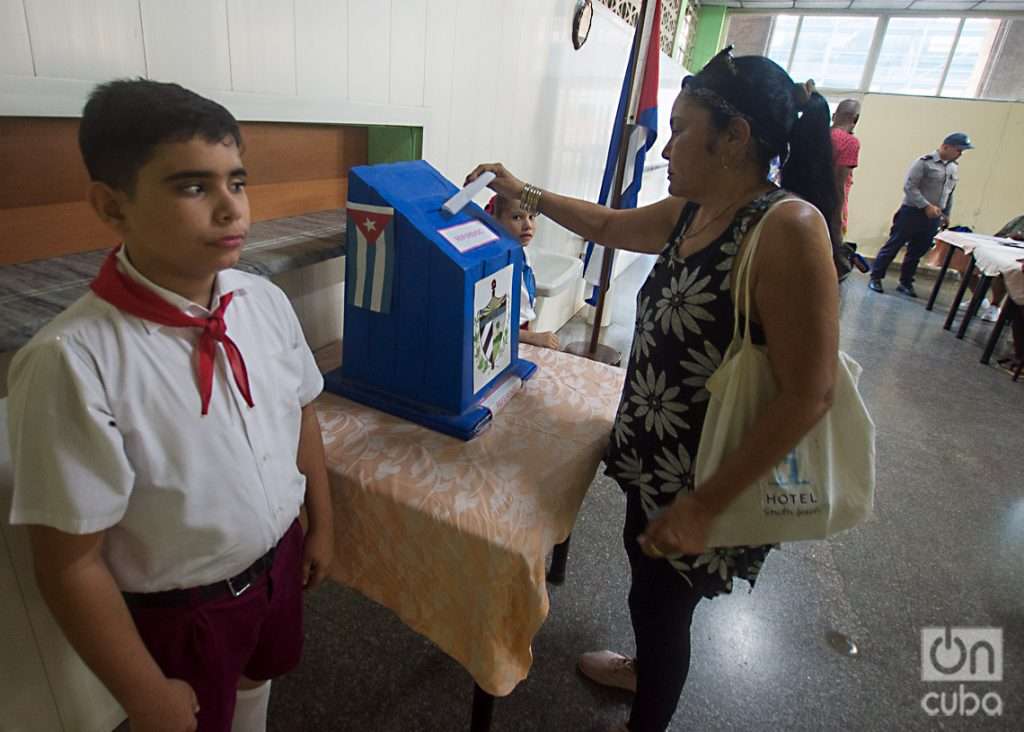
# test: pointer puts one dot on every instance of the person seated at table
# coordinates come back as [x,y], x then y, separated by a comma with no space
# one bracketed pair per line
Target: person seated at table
[990,306]
[521,225]
[163,435]
[1013,362]
[1014,229]
[727,123]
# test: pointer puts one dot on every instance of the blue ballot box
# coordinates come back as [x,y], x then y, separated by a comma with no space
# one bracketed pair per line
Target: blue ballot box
[431,329]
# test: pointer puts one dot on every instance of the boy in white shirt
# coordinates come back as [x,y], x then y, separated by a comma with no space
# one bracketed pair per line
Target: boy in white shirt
[163,434]
[521,225]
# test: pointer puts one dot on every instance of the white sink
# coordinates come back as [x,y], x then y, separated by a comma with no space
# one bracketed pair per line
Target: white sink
[554,272]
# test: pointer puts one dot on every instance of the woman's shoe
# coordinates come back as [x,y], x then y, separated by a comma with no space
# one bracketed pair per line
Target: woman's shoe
[609,669]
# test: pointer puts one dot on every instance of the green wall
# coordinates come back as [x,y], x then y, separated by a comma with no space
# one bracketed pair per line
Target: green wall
[709,36]
[393,144]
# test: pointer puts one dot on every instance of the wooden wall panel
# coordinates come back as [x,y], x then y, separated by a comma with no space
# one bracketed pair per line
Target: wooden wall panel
[277,200]
[276,153]
[293,169]
[40,162]
[53,230]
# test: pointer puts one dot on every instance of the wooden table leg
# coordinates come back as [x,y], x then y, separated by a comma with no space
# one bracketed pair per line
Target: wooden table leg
[483,709]
[1005,316]
[959,294]
[941,276]
[979,294]
[556,575]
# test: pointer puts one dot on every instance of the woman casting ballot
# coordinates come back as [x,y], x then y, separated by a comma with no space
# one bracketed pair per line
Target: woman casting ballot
[727,124]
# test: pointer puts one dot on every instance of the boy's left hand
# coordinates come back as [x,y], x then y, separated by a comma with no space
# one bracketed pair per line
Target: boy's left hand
[548,340]
[317,556]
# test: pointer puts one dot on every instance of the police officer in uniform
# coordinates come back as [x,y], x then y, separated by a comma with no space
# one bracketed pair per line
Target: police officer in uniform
[927,203]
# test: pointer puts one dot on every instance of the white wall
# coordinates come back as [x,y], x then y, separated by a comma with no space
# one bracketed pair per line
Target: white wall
[895,130]
[486,79]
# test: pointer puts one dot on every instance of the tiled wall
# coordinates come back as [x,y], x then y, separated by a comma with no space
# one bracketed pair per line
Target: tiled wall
[317,294]
[485,79]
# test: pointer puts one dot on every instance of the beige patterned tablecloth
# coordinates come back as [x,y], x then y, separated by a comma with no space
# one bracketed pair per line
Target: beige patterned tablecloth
[451,535]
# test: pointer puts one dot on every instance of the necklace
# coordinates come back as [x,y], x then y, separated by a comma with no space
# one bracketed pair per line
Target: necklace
[689,235]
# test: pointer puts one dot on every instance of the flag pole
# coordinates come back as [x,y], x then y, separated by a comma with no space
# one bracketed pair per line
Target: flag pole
[594,350]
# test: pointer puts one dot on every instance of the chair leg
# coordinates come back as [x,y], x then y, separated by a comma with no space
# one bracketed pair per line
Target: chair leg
[483,710]
[556,575]
[959,294]
[972,309]
[997,331]
[950,249]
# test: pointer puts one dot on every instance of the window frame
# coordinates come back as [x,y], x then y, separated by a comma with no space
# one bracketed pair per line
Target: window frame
[875,49]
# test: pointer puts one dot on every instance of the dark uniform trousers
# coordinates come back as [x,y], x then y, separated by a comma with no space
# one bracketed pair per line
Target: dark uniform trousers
[912,227]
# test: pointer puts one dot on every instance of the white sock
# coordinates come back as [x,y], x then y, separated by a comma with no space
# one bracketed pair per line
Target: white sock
[251,709]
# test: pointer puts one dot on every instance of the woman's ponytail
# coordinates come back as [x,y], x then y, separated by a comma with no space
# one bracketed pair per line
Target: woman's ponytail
[787,120]
[809,170]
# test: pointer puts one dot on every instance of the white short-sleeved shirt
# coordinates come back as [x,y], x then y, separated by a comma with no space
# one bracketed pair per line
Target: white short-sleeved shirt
[526,311]
[106,434]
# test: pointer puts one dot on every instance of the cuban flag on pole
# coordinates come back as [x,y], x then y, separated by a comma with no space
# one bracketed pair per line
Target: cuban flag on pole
[643,114]
[370,259]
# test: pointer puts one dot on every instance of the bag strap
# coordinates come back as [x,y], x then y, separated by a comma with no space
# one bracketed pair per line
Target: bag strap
[746,265]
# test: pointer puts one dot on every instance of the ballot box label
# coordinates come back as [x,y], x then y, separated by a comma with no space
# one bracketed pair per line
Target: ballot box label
[468,236]
[492,322]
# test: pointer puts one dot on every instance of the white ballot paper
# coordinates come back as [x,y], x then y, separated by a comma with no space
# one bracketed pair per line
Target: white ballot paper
[458,202]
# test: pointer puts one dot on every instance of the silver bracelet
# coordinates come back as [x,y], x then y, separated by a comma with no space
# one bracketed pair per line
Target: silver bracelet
[529,199]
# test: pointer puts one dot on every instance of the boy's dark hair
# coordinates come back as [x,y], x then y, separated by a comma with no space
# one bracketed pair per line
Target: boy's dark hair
[125,120]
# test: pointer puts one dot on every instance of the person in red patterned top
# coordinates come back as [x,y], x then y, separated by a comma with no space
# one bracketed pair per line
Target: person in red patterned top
[845,151]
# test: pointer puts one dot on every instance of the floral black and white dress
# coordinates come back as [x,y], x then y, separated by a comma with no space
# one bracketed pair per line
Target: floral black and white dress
[683,327]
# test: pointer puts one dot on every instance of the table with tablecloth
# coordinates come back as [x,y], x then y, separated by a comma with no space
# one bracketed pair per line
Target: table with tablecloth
[992,257]
[453,536]
[1004,262]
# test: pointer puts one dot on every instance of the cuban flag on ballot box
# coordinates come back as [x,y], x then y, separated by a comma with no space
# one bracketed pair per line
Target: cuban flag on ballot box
[643,111]
[370,256]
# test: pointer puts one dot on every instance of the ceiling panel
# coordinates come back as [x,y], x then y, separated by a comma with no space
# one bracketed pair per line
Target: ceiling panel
[823,4]
[909,6]
[957,5]
[882,4]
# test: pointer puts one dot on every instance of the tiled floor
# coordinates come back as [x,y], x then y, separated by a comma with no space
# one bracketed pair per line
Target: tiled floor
[946,548]
[622,301]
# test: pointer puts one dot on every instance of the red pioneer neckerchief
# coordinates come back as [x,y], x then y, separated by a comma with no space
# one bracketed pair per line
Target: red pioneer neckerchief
[127,295]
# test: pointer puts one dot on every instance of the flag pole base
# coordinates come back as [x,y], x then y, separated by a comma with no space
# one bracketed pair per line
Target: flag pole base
[603,353]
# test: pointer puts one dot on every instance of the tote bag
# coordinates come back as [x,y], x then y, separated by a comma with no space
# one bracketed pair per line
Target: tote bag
[826,484]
